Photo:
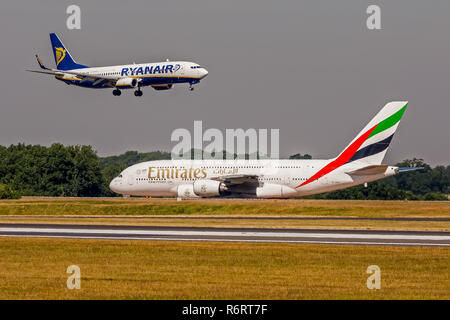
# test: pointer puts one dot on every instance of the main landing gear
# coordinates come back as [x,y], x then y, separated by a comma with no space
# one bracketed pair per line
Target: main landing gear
[191,87]
[137,93]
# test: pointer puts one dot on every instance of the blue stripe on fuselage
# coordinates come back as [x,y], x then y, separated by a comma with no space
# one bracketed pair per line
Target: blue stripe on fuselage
[146,81]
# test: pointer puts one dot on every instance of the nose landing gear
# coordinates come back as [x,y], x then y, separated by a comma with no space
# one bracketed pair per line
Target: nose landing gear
[191,85]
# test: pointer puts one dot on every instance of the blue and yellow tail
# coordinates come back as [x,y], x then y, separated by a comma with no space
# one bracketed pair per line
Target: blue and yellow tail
[63,59]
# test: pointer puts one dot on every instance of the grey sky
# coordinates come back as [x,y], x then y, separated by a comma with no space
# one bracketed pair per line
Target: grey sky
[309,68]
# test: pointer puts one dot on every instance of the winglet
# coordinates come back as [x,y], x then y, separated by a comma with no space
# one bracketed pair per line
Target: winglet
[41,64]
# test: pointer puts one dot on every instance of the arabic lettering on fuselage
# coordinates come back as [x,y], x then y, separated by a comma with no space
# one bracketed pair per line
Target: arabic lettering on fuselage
[135,71]
[186,173]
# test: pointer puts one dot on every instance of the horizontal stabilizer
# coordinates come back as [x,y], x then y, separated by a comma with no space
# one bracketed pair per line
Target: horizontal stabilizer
[406,169]
[369,170]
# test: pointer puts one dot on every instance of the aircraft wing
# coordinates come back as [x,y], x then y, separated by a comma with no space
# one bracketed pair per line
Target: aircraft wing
[235,179]
[81,76]
[55,73]
[95,78]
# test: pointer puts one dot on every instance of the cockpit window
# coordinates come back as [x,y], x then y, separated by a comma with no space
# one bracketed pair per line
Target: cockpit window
[120,176]
[195,67]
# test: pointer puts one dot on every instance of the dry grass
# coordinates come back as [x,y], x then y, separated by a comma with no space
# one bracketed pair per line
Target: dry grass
[36,269]
[64,206]
[59,210]
[247,223]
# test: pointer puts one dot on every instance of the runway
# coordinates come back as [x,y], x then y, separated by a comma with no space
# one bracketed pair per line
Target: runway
[314,236]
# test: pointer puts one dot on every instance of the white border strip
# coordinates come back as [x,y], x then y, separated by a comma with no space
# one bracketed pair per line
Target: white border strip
[132,232]
[411,244]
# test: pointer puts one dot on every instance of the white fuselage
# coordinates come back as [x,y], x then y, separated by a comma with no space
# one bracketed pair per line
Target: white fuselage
[147,74]
[273,178]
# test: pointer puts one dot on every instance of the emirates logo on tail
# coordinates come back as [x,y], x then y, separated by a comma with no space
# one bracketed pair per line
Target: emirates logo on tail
[60,54]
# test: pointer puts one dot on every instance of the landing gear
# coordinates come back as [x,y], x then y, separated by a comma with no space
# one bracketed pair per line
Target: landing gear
[191,84]
[117,92]
[138,92]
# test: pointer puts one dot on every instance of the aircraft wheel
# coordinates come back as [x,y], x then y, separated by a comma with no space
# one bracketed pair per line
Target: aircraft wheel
[138,93]
[117,92]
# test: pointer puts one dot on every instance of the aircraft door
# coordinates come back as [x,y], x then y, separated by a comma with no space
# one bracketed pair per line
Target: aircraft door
[130,179]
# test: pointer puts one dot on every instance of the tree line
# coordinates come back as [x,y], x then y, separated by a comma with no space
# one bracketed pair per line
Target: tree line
[77,171]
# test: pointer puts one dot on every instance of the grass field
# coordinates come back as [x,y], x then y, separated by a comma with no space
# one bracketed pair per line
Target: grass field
[59,210]
[35,268]
[139,206]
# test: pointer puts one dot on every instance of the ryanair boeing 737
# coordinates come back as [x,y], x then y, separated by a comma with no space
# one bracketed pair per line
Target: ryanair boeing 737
[160,75]
[359,163]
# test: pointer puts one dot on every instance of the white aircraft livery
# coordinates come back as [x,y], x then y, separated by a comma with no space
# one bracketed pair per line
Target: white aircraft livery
[359,163]
[160,75]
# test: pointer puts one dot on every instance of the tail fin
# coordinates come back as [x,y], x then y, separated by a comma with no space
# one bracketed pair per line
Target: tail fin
[371,144]
[63,59]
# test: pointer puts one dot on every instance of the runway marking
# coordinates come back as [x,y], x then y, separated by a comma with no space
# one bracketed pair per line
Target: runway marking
[230,234]
[291,236]
[412,244]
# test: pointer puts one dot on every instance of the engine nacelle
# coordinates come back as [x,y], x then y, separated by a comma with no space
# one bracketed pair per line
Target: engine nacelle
[127,83]
[67,77]
[209,188]
[273,191]
[186,191]
[160,87]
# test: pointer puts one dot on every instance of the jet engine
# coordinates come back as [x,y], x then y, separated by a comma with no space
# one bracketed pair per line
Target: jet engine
[273,191]
[209,188]
[186,191]
[127,83]
[160,87]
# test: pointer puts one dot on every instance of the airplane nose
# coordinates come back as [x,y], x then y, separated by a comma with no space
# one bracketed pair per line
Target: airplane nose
[114,186]
[203,73]
[111,186]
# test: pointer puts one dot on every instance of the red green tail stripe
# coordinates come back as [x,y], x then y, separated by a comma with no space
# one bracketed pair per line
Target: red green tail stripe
[343,158]
[348,153]
[389,122]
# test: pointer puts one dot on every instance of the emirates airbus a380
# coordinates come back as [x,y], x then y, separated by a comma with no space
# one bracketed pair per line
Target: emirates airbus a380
[359,163]
[160,75]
